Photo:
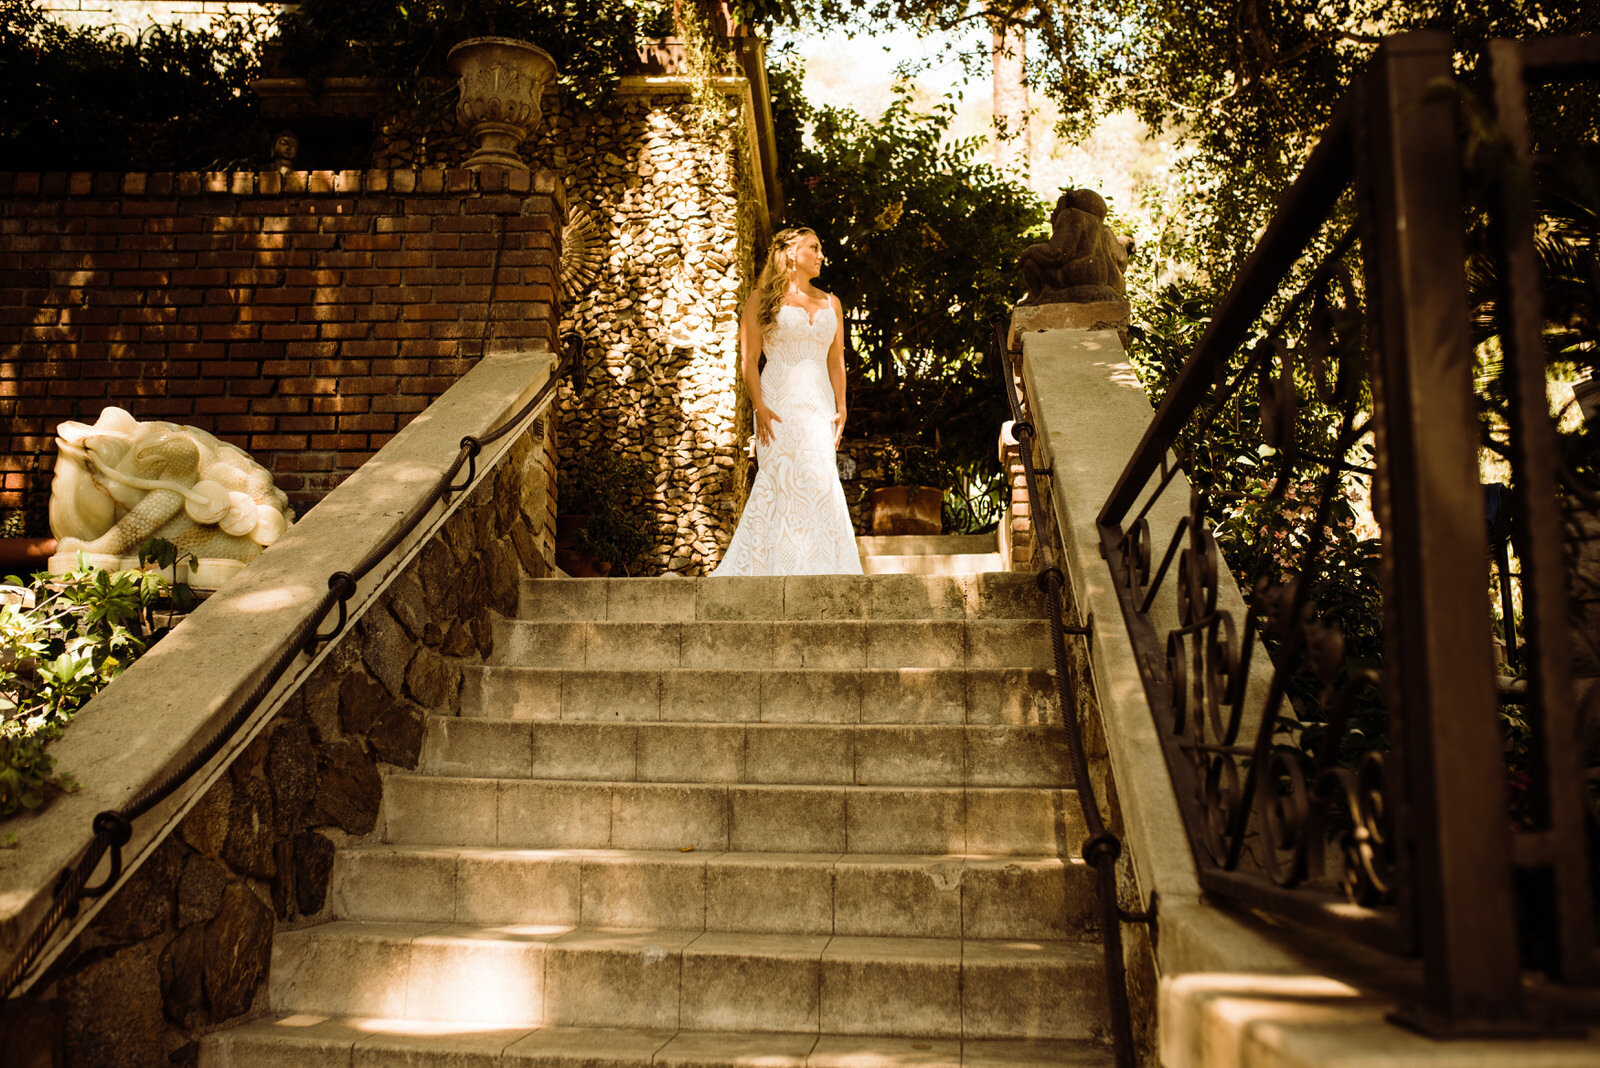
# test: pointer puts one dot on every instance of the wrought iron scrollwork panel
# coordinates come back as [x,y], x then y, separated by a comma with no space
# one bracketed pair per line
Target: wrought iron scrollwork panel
[1261,804]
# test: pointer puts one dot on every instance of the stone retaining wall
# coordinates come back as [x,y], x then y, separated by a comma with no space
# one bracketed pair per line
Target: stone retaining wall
[304,317]
[669,183]
[185,946]
[665,172]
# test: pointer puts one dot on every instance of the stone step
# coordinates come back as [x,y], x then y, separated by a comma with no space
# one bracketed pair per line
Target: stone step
[553,814]
[922,564]
[768,645]
[924,544]
[692,980]
[796,754]
[997,595]
[750,695]
[300,1041]
[955,896]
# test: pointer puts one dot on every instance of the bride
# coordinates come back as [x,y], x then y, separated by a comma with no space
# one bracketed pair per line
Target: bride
[796,521]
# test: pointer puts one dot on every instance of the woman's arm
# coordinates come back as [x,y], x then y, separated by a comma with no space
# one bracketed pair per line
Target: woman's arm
[750,365]
[836,369]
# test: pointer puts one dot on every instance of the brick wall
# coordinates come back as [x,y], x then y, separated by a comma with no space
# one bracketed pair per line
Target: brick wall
[305,317]
[137,14]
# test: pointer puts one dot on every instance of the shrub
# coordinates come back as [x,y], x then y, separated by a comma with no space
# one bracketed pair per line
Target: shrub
[63,638]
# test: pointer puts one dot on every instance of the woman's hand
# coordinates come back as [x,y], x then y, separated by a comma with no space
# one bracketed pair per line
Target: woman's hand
[765,417]
[838,427]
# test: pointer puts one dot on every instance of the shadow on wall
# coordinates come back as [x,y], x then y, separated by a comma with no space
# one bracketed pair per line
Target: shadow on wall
[662,317]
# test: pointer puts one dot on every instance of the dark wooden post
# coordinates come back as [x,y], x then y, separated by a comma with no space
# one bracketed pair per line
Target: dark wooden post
[1555,845]
[1448,791]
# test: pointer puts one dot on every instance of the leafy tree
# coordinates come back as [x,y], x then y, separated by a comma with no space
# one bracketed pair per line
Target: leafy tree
[922,242]
[1249,83]
[404,42]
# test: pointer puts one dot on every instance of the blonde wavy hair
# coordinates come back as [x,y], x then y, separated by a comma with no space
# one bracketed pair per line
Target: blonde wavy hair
[772,287]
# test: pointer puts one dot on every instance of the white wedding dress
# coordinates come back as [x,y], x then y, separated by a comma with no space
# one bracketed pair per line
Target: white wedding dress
[796,521]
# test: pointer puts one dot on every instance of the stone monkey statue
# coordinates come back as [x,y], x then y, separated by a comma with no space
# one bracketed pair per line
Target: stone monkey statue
[1082,262]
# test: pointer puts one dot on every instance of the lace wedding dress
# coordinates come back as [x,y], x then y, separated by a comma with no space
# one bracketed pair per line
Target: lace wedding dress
[796,521]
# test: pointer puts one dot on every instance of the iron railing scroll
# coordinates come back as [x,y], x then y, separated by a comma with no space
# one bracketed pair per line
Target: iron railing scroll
[113,829]
[1344,354]
[1102,847]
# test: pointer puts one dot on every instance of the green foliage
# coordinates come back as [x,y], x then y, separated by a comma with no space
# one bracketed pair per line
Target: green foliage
[24,772]
[607,487]
[1248,86]
[404,42]
[1262,506]
[69,636]
[1567,244]
[922,242]
[1252,86]
[172,98]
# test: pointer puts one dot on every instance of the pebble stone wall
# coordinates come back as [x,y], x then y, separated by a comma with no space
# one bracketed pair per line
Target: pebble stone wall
[666,176]
[670,186]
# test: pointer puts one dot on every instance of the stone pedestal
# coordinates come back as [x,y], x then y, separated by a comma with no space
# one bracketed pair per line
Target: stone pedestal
[1096,315]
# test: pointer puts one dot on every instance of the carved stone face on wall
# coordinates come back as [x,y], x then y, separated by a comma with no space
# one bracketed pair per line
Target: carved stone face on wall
[284,150]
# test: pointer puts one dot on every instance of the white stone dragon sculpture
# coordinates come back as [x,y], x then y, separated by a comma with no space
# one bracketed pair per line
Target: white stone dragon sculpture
[119,482]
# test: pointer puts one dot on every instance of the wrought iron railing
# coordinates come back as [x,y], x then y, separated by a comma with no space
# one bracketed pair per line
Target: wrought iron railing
[113,828]
[1338,752]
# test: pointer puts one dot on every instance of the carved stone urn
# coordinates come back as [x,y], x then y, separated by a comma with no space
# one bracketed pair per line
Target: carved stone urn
[502,80]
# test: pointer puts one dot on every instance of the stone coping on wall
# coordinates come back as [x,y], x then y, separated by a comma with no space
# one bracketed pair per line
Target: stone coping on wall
[1235,988]
[177,184]
[164,707]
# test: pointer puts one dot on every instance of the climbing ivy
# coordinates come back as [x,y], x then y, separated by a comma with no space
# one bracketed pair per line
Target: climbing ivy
[97,98]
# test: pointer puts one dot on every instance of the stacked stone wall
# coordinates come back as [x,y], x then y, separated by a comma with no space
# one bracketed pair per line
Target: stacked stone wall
[305,317]
[184,947]
[669,183]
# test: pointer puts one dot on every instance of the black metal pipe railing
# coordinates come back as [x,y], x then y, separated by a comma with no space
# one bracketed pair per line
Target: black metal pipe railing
[113,829]
[1102,847]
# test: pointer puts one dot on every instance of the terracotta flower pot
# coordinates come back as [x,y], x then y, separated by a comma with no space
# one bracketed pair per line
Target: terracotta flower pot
[907,510]
[502,82]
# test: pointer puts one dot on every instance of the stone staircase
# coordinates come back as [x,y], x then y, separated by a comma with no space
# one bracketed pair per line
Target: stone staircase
[941,554]
[804,821]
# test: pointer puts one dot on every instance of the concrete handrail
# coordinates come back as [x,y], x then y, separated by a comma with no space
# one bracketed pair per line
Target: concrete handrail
[167,707]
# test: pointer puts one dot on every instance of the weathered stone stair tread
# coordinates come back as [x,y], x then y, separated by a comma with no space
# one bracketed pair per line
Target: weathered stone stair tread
[1001,695]
[777,753]
[769,644]
[556,813]
[916,895]
[693,980]
[927,564]
[925,544]
[998,595]
[310,1041]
